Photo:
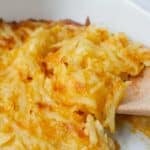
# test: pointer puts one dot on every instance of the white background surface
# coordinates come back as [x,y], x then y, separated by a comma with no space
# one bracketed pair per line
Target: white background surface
[145,4]
[117,15]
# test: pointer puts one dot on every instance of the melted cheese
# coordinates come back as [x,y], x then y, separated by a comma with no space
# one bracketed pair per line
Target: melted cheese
[60,84]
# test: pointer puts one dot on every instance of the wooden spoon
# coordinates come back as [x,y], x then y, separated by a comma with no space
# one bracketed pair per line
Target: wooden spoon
[137,97]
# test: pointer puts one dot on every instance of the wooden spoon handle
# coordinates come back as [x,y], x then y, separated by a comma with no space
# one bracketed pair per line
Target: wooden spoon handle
[137,97]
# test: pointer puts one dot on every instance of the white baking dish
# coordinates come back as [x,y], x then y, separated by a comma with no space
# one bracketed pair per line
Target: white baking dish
[117,15]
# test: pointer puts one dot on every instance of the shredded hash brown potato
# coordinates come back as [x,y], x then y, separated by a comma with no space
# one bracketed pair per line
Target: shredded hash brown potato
[61,82]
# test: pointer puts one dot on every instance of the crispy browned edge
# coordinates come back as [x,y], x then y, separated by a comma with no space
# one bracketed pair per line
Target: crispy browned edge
[64,21]
[31,23]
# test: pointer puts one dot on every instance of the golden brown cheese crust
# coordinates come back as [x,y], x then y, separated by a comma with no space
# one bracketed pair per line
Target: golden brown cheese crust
[60,84]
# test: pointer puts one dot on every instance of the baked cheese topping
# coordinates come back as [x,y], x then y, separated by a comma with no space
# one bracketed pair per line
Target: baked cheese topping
[60,84]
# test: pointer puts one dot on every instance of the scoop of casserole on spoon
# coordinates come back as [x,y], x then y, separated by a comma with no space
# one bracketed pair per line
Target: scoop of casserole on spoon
[137,97]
